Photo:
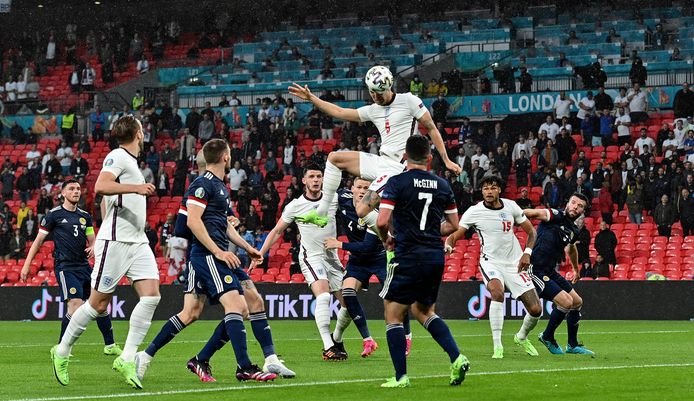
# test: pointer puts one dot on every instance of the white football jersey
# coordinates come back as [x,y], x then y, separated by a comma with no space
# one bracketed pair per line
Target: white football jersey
[125,214]
[312,236]
[396,122]
[495,229]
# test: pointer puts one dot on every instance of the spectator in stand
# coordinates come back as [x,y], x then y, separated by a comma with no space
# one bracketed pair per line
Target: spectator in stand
[550,127]
[638,104]
[139,100]
[29,227]
[583,241]
[683,105]
[79,166]
[586,106]
[187,145]
[606,243]
[603,101]
[680,134]
[551,196]
[151,237]
[664,216]
[607,124]
[7,179]
[17,246]
[326,126]
[670,145]
[433,88]
[22,212]
[205,129]
[549,154]
[523,201]
[255,182]
[269,201]
[601,267]
[416,86]
[476,175]
[566,146]
[162,182]
[587,270]
[644,140]
[240,252]
[689,147]
[147,173]
[17,134]
[65,156]
[562,107]
[143,65]
[685,211]
[638,74]
[526,80]
[252,220]
[98,121]
[440,109]
[522,144]
[481,159]
[88,78]
[33,156]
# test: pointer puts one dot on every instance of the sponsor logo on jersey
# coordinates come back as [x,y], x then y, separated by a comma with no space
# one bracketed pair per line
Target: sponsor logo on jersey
[221,192]
[200,192]
[64,221]
[83,221]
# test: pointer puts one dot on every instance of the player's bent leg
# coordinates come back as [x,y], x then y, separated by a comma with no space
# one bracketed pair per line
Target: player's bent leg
[496,315]
[532,305]
[562,303]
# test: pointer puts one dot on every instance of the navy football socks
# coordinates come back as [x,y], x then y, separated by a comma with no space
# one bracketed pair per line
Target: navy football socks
[262,333]
[572,320]
[237,335]
[442,335]
[106,328]
[555,318]
[355,311]
[215,343]
[172,327]
[395,334]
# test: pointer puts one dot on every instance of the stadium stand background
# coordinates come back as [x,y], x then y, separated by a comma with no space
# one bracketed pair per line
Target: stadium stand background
[255,51]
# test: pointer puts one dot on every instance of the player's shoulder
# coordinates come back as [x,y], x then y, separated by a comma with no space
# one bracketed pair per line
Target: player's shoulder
[407,97]
[55,209]
[82,212]
[509,203]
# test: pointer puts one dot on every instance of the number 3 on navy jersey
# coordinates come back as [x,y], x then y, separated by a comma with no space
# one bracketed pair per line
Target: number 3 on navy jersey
[428,198]
[74,231]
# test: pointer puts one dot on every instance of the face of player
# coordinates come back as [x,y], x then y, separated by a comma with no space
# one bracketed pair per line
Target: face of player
[72,193]
[140,136]
[359,189]
[313,181]
[575,207]
[381,99]
[490,193]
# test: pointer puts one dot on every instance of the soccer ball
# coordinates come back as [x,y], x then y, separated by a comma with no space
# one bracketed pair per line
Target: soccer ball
[379,79]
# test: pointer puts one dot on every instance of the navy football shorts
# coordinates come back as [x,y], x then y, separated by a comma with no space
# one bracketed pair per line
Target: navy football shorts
[74,284]
[409,281]
[212,277]
[363,273]
[549,284]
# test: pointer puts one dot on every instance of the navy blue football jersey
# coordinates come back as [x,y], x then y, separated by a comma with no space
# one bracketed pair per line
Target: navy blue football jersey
[70,230]
[364,246]
[552,237]
[419,201]
[209,192]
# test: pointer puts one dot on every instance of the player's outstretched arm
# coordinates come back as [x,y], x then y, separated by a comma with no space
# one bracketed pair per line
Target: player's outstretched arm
[271,239]
[24,274]
[383,223]
[453,239]
[197,227]
[106,185]
[437,139]
[333,110]
[538,214]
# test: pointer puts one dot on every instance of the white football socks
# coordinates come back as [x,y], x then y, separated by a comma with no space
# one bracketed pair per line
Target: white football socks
[331,181]
[140,320]
[343,320]
[322,316]
[496,321]
[529,323]
[78,323]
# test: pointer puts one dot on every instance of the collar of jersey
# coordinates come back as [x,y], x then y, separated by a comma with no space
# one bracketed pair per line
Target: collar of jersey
[391,100]
[494,208]
[128,152]
[312,200]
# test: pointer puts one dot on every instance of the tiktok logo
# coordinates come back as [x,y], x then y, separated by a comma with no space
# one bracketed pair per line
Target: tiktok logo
[477,305]
[40,307]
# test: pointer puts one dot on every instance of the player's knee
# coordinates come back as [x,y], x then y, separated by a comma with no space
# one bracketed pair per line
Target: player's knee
[534,310]
[577,302]
[564,300]
[256,304]
[101,306]
[497,295]
[189,316]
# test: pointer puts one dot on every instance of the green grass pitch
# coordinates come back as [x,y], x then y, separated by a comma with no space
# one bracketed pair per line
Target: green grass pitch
[636,360]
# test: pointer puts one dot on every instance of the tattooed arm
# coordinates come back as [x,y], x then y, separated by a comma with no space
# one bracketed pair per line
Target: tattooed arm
[369,202]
